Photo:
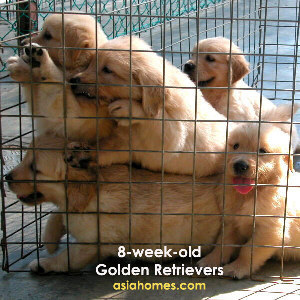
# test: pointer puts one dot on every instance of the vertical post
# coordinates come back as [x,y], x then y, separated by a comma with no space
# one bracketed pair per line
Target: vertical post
[27,18]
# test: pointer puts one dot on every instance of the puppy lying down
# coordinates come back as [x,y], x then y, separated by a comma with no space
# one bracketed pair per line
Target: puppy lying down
[273,174]
[113,198]
[54,107]
[163,111]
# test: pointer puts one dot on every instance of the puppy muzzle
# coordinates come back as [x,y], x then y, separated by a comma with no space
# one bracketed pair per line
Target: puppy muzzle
[189,68]
[31,198]
[240,167]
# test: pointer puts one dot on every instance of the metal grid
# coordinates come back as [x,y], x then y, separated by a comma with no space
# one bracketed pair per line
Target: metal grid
[259,27]
[113,14]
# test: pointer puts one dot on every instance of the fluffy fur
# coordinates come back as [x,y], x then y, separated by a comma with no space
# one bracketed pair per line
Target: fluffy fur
[211,70]
[238,230]
[154,97]
[211,73]
[46,99]
[80,31]
[114,228]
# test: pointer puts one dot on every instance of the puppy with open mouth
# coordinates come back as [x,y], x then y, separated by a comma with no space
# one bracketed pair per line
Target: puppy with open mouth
[211,68]
[256,185]
[219,75]
[165,113]
[64,47]
[41,178]
[53,106]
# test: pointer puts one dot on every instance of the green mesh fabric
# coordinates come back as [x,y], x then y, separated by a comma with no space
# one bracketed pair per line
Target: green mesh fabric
[115,20]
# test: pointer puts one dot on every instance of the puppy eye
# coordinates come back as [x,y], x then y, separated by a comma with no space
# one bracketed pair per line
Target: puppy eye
[47,36]
[33,168]
[209,58]
[107,70]
[262,150]
[236,146]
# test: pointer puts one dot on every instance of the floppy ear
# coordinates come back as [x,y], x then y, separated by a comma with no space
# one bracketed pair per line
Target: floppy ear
[280,113]
[290,162]
[239,67]
[80,194]
[76,38]
[152,96]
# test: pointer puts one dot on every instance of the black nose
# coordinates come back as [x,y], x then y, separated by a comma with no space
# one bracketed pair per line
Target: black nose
[8,176]
[240,167]
[74,81]
[188,67]
[25,42]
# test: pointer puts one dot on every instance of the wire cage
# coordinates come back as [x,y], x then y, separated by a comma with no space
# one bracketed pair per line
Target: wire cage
[266,31]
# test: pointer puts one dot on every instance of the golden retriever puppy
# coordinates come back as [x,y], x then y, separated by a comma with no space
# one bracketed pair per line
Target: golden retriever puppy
[211,70]
[76,116]
[271,179]
[163,111]
[71,31]
[49,165]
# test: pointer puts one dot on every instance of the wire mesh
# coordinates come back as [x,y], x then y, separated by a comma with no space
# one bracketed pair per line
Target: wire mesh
[266,31]
[114,15]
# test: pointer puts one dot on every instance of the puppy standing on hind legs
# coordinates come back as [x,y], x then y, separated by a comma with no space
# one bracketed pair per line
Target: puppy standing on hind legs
[46,95]
[270,203]
[82,33]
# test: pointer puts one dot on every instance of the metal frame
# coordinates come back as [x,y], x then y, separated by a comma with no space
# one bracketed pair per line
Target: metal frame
[224,18]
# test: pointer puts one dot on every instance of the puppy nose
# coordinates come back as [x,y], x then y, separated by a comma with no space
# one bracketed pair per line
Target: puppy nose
[8,176]
[240,167]
[188,67]
[25,42]
[74,81]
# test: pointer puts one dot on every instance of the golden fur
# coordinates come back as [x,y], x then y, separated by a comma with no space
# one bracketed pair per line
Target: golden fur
[243,104]
[46,99]
[50,166]
[154,103]
[80,31]
[238,230]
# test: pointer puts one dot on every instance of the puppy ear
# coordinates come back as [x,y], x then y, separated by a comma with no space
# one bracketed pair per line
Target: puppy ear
[152,96]
[80,194]
[280,113]
[239,67]
[76,38]
[290,162]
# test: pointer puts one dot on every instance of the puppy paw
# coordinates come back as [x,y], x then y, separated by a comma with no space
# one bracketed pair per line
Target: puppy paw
[35,55]
[17,68]
[236,270]
[209,261]
[12,60]
[51,248]
[78,155]
[40,266]
[120,109]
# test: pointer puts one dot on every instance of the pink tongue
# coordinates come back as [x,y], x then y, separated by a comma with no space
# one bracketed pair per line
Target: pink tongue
[243,189]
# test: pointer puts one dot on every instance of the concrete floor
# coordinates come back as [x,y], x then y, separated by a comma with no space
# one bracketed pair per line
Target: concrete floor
[24,285]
